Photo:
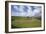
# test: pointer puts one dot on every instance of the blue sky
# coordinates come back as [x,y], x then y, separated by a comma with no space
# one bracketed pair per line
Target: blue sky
[25,10]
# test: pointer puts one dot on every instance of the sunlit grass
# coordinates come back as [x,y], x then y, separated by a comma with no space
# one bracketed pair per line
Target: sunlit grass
[25,22]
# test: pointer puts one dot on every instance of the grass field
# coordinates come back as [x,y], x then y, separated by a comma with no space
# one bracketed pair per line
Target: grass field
[25,22]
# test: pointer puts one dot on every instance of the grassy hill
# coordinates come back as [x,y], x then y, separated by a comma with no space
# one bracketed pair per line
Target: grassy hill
[25,22]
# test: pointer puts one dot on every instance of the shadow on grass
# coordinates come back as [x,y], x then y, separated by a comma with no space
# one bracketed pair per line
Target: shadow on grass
[15,27]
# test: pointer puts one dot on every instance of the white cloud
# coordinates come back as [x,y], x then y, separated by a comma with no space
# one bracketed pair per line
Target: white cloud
[36,12]
[30,13]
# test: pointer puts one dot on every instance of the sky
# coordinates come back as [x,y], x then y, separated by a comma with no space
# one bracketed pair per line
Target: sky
[25,10]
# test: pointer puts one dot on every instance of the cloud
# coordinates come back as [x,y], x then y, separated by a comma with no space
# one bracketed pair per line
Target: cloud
[24,10]
[37,11]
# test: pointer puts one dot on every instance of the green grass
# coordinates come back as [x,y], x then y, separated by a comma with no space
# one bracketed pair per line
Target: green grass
[25,22]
